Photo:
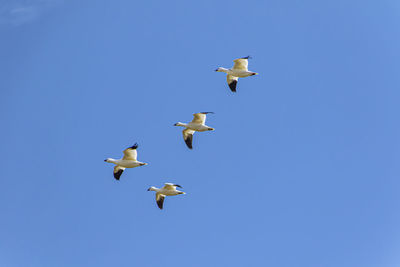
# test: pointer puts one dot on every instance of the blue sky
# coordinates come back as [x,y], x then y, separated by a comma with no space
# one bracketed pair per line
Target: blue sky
[301,171]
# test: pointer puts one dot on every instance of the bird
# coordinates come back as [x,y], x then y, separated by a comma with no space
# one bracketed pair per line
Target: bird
[239,70]
[196,125]
[168,189]
[129,160]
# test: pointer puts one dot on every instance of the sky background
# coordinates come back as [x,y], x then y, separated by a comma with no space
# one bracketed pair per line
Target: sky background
[301,171]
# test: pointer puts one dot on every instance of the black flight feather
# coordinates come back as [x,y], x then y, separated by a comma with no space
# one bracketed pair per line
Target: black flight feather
[134,146]
[232,85]
[189,140]
[118,174]
[160,202]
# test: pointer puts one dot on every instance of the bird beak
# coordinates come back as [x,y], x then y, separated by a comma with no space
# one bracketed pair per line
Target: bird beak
[216,70]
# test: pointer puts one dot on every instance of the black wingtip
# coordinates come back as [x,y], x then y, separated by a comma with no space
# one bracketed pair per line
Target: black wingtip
[232,86]
[189,141]
[177,185]
[247,57]
[118,174]
[207,112]
[134,146]
[160,203]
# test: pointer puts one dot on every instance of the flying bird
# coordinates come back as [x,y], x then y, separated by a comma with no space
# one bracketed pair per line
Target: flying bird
[196,125]
[128,161]
[239,70]
[168,189]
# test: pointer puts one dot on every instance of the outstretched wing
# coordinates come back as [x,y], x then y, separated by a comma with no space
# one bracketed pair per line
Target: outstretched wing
[131,153]
[199,118]
[160,200]
[232,82]
[188,137]
[170,186]
[241,63]
[118,170]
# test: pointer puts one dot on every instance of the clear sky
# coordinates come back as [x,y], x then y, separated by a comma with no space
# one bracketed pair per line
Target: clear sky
[301,171]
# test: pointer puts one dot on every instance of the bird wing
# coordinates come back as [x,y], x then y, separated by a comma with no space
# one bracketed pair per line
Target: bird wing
[232,82]
[241,63]
[160,200]
[130,153]
[199,117]
[118,170]
[169,186]
[188,137]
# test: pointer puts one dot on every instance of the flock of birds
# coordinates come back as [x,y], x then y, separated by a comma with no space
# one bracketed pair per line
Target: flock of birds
[129,160]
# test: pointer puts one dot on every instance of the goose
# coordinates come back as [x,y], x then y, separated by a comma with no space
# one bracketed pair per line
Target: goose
[168,189]
[196,125]
[239,70]
[128,161]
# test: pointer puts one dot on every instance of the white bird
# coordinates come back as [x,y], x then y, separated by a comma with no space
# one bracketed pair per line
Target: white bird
[239,70]
[128,161]
[196,125]
[167,190]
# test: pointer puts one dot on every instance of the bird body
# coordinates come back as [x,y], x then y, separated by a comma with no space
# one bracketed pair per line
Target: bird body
[129,160]
[196,125]
[237,73]
[166,192]
[168,189]
[125,163]
[239,70]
